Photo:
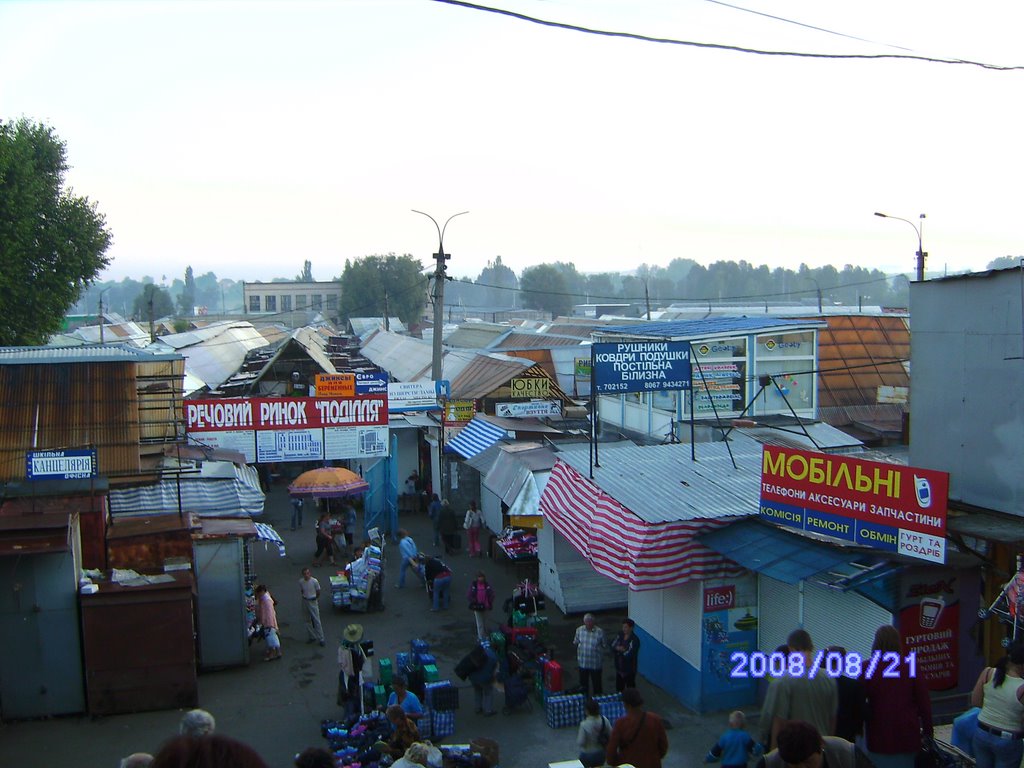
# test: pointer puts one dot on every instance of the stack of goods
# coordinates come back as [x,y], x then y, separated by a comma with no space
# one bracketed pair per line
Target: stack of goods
[439,697]
[564,711]
[351,588]
[351,741]
[518,544]
[340,597]
[611,706]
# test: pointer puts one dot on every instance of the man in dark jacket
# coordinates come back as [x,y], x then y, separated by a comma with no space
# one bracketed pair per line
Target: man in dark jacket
[482,679]
[639,738]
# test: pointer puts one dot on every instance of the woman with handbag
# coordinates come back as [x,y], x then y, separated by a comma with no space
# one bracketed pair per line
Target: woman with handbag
[899,712]
[593,735]
[999,691]
[639,738]
[481,599]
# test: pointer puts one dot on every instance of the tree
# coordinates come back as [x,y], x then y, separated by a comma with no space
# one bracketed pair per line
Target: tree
[369,282]
[500,284]
[543,287]
[307,272]
[153,303]
[53,242]
[1004,262]
[187,299]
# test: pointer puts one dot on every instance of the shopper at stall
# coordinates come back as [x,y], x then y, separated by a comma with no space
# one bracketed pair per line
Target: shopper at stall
[405,734]
[626,649]
[590,648]
[473,523]
[639,738]
[314,757]
[434,510]
[324,542]
[406,699]
[593,734]
[309,589]
[482,679]
[407,548]
[481,600]
[351,659]
[439,581]
[266,615]
[448,527]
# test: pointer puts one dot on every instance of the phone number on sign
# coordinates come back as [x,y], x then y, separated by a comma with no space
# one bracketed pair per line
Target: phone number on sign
[888,664]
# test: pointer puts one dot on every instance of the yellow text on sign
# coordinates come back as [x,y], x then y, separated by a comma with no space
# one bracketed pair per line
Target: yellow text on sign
[335,385]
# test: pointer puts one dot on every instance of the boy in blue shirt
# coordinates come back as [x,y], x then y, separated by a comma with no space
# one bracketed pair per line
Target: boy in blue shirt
[735,747]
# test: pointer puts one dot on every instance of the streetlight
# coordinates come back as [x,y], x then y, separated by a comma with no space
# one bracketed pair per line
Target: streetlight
[818,288]
[439,278]
[101,311]
[921,255]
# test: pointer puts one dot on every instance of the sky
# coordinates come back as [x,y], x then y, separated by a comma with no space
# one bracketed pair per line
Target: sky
[246,137]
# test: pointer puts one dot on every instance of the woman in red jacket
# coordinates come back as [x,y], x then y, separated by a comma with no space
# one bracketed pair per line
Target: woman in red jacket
[899,710]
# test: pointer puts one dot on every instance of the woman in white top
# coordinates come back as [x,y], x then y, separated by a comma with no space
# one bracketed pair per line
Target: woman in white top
[593,734]
[999,740]
[474,521]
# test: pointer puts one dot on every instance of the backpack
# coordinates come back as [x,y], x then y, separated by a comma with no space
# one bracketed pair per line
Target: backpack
[603,735]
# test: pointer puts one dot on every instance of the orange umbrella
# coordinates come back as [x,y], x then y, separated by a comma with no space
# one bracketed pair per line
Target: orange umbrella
[328,483]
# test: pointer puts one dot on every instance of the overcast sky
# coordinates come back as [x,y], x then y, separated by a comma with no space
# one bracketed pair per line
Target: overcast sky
[246,137]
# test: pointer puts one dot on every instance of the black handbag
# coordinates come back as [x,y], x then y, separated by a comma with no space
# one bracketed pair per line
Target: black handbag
[929,755]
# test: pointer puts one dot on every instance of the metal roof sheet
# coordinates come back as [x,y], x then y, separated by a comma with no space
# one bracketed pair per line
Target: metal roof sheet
[215,352]
[405,358]
[363,326]
[661,484]
[521,340]
[476,335]
[699,330]
[81,354]
[485,373]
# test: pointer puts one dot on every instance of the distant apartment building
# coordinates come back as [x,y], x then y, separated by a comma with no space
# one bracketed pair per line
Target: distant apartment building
[282,299]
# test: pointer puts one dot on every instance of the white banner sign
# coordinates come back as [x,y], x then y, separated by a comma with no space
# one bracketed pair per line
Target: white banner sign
[531,409]
[411,396]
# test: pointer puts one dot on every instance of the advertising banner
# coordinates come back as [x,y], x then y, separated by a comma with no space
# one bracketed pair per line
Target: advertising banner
[885,506]
[412,396]
[729,625]
[929,623]
[532,409]
[335,384]
[374,383]
[641,366]
[581,367]
[71,464]
[459,412]
[536,389]
[721,383]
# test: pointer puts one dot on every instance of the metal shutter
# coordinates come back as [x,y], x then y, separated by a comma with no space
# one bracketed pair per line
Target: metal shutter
[778,612]
[841,618]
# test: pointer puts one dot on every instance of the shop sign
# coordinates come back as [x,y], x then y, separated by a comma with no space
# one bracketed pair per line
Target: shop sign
[719,598]
[729,631]
[412,396]
[537,389]
[533,409]
[459,411]
[885,506]
[73,464]
[929,622]
[581,367]
[643,366]
[335,384]
[372,383]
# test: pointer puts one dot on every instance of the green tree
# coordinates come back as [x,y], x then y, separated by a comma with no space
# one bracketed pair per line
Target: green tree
[368,282]
[53,242]
[153,303]
[500,284]
[306,276]
[1004,262]
[187,298]
[543,287]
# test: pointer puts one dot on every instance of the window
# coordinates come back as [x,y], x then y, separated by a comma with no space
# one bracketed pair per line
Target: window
[332,301]
[271,303]
[254,303]
[286,303]
[318,301]
[300,301]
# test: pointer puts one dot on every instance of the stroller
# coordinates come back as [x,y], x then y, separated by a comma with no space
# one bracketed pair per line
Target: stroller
[517,693]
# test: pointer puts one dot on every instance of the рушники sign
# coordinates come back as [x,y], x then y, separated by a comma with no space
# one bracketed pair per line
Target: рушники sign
[74,464]
[641,366]
[885,506]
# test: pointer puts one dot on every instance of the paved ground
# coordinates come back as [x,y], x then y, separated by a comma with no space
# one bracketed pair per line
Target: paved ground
[277,707]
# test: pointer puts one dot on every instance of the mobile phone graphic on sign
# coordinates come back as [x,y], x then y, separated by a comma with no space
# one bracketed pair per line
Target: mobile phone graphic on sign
[931,610]
[923,491]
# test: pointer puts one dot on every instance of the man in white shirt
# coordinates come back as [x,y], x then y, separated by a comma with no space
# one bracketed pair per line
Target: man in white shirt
[310,589]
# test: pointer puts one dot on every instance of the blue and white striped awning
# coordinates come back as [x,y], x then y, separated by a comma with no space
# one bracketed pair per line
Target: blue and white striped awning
[477,436]
[267,533]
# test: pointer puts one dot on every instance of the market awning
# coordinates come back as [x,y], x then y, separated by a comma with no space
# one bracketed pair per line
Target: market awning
[222,489]
[475,437]
[777,553]
[267,533]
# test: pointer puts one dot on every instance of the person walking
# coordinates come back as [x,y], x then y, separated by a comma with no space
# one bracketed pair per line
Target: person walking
[626,649]
[999,691]
[439,580]
[448,525]
[473,523]
[590,645]
[481,600]
[407,548]
[296,512]
[899,709]
[810,699]
[324,541]
[309,588]
[266,615]
[482,679]
[593,735]
[434,510]
[639,738]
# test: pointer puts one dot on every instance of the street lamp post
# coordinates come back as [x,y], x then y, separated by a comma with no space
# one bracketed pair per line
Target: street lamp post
[439,278]
[921,255]
[817,287]
[101,312]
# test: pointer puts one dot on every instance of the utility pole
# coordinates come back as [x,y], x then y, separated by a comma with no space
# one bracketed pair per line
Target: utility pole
[101,317]
[152,328]
[440,275]
[647,299]
[387,313]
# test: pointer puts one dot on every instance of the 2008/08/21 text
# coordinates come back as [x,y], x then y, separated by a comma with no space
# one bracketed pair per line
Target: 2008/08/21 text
[882,664]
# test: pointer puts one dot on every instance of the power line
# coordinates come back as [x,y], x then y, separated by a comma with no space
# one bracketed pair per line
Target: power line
[719,46]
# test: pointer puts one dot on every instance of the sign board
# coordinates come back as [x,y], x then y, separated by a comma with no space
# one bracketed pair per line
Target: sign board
[412,396]
[885,506]
[535,389]
[929,621]
[533,409]
[74,464]
[279,429]
[581,367]
[374,383]
[641,366]
[458,411]
[335,384]
[719,598]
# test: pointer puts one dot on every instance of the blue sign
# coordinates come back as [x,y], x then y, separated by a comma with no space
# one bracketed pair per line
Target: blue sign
[375,383]
[838,527]
[641,366]
[443,388]
[61,465]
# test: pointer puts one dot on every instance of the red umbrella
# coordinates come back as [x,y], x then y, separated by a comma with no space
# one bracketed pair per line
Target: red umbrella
[328,483]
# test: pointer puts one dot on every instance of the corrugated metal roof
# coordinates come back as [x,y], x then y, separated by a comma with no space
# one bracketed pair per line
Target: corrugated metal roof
[818,436]
[81,354]
[476,335]
[660,484]
[484,460]
[215,352]
[857,354]
[363,326]
[514,465]
[518,425]
[485,373]
[520,340]
[700,330]
[405,358]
